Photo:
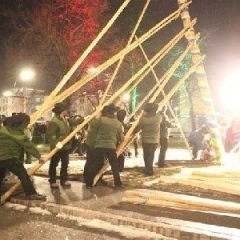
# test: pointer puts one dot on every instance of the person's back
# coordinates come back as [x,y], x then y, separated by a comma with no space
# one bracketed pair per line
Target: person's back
[196,137]
[109,132]
[150,125]
[58,130]
[165,126]
[13,142]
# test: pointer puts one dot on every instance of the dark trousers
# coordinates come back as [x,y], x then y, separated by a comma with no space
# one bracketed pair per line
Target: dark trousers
[195,149]
[90,168]
[121,161]
[62,155]
[78,147]
[148,157]
[17,168]
[163,150]
[100,154]
[135,145]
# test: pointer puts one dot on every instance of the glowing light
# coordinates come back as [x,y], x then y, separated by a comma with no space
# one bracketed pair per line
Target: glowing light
[26,74]
[92,70]
[230,92]
[126,97]
[7,93]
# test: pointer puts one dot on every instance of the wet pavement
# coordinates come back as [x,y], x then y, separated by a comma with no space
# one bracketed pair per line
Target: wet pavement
[105,200]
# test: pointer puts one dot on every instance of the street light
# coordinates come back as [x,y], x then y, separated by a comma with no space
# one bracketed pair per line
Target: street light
[126,97]
[26,74]
[7,93]
[19,99]
[92,69]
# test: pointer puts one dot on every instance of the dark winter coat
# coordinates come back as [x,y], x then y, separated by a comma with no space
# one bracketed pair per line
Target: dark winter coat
[197,138]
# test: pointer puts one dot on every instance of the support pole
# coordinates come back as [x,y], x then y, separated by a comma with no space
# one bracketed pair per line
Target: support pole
[76,65]
[76,86]
[169,106]
[122,58]
[129,136]
[110,100]
[203,84]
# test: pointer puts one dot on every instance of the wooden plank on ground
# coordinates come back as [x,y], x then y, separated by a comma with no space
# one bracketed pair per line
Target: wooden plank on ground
[225,181]
[215,186]
[163,203]
[185,199]
[214,171]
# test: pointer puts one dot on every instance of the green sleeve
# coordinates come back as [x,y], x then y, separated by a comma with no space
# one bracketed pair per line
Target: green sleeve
[30,148]
[52,133]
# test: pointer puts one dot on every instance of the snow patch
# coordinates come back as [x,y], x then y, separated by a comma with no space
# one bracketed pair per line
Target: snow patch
[67,217]
[123,230]
[39,210]
[15,206]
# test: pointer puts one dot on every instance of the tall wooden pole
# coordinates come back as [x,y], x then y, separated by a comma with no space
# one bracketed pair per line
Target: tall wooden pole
[202,82]
[76,65]
[168,104]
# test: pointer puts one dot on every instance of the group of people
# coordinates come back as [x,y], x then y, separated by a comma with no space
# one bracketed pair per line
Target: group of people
[104,134]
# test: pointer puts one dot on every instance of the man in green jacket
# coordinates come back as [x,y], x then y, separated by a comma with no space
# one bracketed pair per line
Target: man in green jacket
[109,133]
[59,128]
[150,126]
[90,166]
[12,142]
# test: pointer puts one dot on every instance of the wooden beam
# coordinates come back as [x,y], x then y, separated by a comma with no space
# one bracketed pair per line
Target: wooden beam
[192,201]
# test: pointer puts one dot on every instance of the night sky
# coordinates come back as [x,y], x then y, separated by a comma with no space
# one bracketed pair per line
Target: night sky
[219,23]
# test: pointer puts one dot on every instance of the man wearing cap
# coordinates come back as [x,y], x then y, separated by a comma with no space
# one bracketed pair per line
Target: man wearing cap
[13,141]
[109,133]
[59,128]
[150,126]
